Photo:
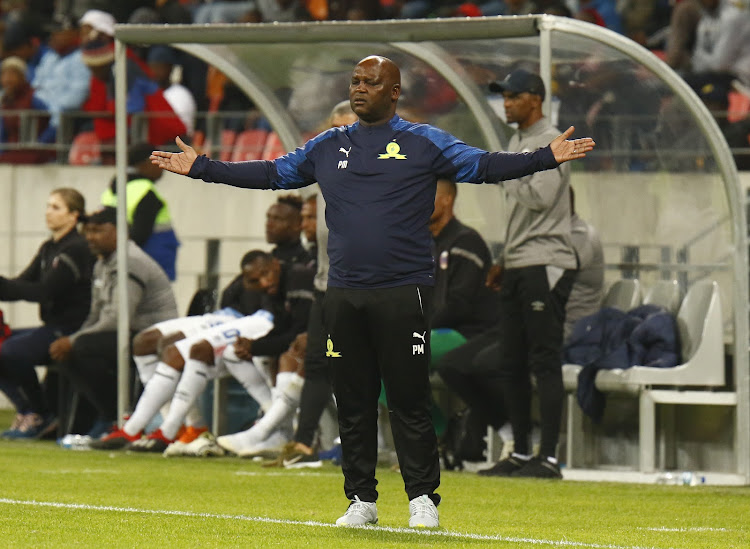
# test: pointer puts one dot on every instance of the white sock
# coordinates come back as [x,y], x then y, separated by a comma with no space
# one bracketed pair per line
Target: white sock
[506,432]
[285,402]
[194,417]
[250,377]
[157,392]
[146,365]
[194,379]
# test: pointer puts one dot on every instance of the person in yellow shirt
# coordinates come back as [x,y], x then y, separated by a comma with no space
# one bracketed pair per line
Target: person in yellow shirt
[149,219]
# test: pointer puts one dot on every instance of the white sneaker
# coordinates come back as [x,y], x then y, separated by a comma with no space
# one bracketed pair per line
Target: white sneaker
[177,448]
[359,513]
[237,443]
[268,448]
[424,514]
[203,446]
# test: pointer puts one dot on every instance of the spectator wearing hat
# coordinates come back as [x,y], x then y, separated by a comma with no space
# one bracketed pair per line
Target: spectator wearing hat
[143,96]
[538,269]
[99,26]
[96,24]
[148,215]
[162,61]
[18,95]
[89,355]
[61,79]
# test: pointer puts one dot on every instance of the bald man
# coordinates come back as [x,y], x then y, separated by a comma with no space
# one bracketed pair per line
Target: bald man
[378,178]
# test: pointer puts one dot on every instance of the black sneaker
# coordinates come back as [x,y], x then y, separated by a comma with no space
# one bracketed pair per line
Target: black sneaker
[539,467]
[505,468]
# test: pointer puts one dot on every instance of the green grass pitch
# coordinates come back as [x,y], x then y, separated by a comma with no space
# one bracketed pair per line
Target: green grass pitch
[50,497]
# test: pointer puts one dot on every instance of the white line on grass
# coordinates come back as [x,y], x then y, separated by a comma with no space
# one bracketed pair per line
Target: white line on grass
[685,529]
[77,471]
[296,473]
[266,520]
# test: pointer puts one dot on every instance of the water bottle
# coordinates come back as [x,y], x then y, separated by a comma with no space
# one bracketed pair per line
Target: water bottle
[75,442]
[675,478]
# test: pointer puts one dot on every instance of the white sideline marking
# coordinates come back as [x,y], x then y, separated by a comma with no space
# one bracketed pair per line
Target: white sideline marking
[439,533]
[77,471]
[683,529]
[294,472]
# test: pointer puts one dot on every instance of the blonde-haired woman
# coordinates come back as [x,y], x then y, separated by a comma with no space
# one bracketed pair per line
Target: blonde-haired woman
[59,279]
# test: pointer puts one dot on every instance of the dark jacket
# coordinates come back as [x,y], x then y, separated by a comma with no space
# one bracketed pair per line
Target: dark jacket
[290,308]
[612,339]
[379,187]
[59,279]
[462,300]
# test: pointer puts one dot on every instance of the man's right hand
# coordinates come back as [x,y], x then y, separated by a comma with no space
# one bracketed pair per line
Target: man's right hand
[175,162]
[494,277]
[243,348]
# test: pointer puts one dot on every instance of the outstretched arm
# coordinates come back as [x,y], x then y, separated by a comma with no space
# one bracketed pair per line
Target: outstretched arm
[175,162]
[250,174]
[565,150]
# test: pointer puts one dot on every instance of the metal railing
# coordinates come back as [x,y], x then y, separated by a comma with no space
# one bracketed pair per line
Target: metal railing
[627,144]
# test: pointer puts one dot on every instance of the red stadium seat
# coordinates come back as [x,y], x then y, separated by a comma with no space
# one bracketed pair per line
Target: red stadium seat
[249,145]
[85,150]
[228,137]
[739,106]
[226,144]
[274,148]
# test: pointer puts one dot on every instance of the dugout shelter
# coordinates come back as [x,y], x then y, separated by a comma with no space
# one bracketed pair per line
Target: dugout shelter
[661,186]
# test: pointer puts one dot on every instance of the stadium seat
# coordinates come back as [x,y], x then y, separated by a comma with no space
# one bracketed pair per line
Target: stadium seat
[85,150]
[249,145]
[664,293]
[624,294]
[226,144]
[274,148]
[228,137]
[699,321]
[739,106]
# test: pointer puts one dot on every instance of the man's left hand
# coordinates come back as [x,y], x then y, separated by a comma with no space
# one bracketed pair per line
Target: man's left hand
[565,150]
[60,348]
[243,348]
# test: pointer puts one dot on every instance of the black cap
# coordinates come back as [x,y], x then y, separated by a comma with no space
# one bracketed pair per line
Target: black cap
[139,152]
[106,214]
[519,81]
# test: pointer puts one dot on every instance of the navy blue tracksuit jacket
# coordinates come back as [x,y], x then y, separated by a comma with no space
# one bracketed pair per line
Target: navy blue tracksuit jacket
[379,186]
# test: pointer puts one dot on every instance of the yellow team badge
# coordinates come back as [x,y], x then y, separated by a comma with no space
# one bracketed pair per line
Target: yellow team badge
[330,352]
[392,150]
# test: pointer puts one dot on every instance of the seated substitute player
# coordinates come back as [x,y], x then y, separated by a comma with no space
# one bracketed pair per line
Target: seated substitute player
[236,301]
[188,364]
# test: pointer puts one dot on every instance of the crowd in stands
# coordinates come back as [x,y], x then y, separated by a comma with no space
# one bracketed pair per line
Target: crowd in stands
[60,53]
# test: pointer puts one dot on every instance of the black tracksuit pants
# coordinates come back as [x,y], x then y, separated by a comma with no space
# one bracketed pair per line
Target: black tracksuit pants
[316,392]
[373,334]
[532,314]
